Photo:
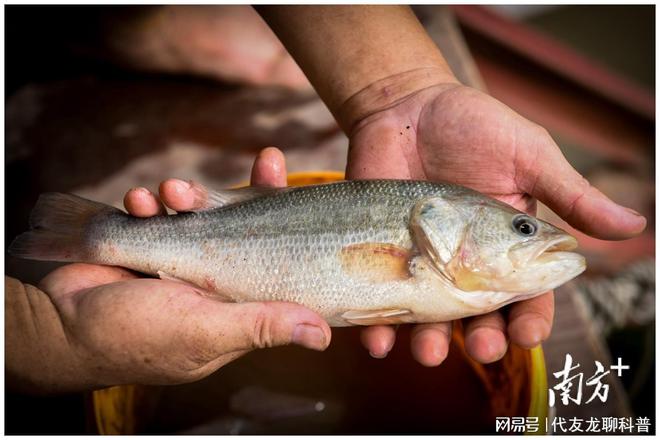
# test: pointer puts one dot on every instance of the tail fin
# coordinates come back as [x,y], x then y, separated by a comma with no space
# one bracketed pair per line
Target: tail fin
[58,223]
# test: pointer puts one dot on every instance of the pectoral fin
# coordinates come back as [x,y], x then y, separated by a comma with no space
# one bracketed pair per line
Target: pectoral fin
[376,262]
[377,317]
[439,227]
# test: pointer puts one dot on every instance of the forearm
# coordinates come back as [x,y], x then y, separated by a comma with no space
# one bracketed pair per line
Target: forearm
[360,59]
[38,357]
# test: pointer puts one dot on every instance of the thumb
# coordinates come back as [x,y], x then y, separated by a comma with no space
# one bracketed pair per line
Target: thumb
[267,324]
[557,184]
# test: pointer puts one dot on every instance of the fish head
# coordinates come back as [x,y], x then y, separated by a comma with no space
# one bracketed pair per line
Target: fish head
[480,244]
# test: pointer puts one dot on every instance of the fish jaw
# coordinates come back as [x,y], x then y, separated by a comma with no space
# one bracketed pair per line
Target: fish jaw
[438,299]
[548,265]
[556,268]
[529,267]
[553,270]
[526,253]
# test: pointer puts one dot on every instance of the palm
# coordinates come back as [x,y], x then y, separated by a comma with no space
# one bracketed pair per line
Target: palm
[480,151]
[456,134]
[452,134]
[115,324]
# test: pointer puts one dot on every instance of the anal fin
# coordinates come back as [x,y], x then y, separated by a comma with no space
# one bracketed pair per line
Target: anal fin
[378,317]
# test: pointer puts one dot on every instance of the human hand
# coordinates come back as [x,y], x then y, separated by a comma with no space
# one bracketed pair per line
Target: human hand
[449,132]
[126,329]
[226,42]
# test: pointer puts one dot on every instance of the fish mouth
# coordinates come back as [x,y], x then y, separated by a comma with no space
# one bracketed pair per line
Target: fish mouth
[526,254]
[555,264]
[554,248]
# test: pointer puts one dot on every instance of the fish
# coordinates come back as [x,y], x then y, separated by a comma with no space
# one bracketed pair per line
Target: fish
[358,252]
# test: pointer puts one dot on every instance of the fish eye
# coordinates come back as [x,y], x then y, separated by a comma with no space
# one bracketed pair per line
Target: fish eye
[524,225]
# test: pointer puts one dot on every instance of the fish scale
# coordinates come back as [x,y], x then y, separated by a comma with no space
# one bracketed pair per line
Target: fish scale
[345,247]
[275,248]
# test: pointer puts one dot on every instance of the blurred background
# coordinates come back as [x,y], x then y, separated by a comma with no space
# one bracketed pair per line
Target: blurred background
[102,99]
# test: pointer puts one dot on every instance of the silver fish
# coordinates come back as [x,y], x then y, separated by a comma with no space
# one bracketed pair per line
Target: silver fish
[357,252]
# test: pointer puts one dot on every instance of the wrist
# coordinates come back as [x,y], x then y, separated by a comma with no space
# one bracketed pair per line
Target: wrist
[359,58]
[388,92]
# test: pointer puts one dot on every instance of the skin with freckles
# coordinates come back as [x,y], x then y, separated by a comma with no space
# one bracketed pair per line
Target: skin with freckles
[123,329]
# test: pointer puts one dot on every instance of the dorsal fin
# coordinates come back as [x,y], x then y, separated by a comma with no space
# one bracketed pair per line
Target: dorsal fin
[226,197]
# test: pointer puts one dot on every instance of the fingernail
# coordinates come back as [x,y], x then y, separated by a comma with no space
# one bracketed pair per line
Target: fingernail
[633,212]
[437,351]
[496,351]
[182,186]
[309,336]
[141,190]
[535,336]
[385,350]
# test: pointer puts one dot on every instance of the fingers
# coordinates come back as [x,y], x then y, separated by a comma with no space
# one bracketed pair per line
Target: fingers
[530,321]
[269,168]
[140,202]
[429,343]
[181,195]
[248,326]
[378,340]
[553,181]
[485,339]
